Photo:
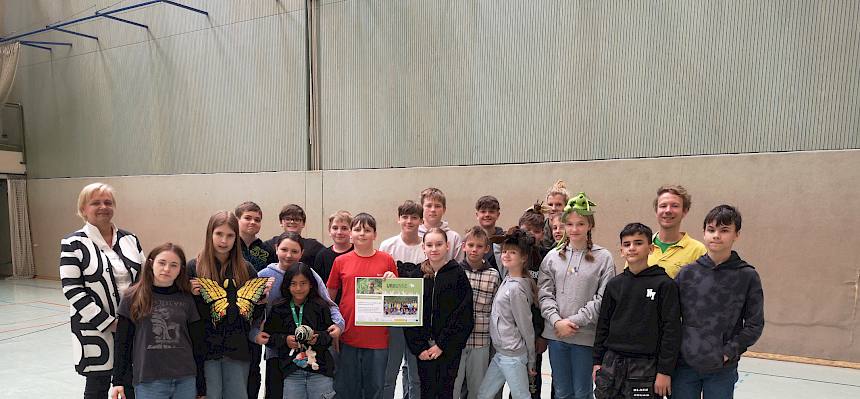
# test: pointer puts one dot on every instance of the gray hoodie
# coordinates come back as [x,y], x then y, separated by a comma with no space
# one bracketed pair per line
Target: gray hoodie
[511,319]
[572,288]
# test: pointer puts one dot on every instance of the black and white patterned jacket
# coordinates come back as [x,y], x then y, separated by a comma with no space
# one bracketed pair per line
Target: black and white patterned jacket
[91,288]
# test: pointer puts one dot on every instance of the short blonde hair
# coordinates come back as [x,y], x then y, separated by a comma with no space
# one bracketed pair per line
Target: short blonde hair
[89,192]
[340,216]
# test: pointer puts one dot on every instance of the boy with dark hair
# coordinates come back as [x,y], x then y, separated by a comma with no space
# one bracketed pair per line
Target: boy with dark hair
[487,212]
[639,328]
[259,254]
[407,251]
[254,250]
[292,218]
[722,307]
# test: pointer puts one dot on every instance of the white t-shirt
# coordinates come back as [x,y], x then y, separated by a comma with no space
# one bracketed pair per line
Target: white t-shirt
[402,252]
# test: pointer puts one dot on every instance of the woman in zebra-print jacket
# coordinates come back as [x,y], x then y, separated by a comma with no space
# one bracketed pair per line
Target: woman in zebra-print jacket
[97,264]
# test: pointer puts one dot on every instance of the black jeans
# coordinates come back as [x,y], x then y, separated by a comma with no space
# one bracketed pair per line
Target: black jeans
[438,376]
[97,387]
[274,379]
[254,371]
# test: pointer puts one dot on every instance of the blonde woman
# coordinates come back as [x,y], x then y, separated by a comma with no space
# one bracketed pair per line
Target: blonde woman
[98,263]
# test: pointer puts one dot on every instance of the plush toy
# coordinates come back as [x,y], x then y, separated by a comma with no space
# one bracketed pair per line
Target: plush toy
[307,356]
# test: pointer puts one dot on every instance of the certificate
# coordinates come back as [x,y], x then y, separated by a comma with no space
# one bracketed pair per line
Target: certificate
[393,302]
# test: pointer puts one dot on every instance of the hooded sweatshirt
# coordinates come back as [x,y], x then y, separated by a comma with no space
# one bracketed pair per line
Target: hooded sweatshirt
[447,316]
[572,288]
[455,242]
[722,307]
[640,316]
[511,329]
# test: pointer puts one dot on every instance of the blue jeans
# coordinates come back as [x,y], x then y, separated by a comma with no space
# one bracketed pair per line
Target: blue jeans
[360,373]
[511,369]
[687,383]
[302,384]
[226,378]
[180,388]
[397,351]
[571,370]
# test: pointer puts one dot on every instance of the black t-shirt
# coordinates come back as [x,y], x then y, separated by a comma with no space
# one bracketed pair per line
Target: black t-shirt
[162,347]
[311,249]
[325,259]
[259,254]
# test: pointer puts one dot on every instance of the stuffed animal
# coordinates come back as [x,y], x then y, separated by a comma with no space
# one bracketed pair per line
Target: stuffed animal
[307,357]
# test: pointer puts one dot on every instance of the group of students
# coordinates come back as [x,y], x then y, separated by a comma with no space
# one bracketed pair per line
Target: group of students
[674,322]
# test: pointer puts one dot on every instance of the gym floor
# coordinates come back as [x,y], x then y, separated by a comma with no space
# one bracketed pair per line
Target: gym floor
[36,353]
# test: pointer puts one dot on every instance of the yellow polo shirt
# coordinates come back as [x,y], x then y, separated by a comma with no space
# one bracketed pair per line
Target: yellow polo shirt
[680,254]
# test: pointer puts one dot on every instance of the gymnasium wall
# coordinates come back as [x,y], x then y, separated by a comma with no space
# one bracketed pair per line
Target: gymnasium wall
[201,113]
[450,82]
[800,218]
[193,94]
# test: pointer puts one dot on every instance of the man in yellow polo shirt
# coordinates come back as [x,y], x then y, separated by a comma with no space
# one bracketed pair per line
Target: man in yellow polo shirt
[672,248]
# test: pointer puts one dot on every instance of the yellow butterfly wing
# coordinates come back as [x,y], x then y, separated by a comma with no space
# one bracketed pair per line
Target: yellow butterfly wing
[249,294]
[215,296]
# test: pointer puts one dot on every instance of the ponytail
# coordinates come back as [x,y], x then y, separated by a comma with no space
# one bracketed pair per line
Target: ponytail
[427,269]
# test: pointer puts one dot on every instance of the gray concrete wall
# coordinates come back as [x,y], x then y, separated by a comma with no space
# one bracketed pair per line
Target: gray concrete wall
[800,210]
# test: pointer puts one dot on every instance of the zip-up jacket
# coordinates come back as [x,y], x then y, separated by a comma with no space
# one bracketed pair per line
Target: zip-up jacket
[640,317]
[448,318]
[722,310]
[511,328]
[572,288]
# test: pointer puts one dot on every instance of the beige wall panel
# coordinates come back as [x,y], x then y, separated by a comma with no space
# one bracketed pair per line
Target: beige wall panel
[800,209]
[157,208]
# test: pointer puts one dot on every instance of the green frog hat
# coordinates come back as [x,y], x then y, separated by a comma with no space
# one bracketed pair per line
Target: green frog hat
[579,204]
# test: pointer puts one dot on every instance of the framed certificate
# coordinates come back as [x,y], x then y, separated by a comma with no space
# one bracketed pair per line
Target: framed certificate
[393,302]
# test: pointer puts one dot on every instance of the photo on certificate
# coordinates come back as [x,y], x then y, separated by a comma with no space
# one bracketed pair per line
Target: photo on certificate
[393,302]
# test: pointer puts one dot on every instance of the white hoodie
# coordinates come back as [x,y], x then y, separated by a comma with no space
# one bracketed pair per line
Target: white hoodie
[455,242]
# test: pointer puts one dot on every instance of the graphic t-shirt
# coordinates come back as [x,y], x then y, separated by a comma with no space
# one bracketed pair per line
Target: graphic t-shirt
[162,344]
[343,273]
[258,254]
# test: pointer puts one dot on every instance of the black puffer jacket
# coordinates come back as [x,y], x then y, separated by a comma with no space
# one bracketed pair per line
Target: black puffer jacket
[448,317]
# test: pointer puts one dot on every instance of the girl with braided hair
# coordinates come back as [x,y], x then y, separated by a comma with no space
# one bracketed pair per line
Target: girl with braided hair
[571,281]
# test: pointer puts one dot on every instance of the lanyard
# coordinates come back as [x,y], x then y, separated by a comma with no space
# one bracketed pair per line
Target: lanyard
[297,319]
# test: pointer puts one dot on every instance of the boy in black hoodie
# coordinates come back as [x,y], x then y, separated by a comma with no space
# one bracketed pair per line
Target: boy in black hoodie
[722,305]
[639,328]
